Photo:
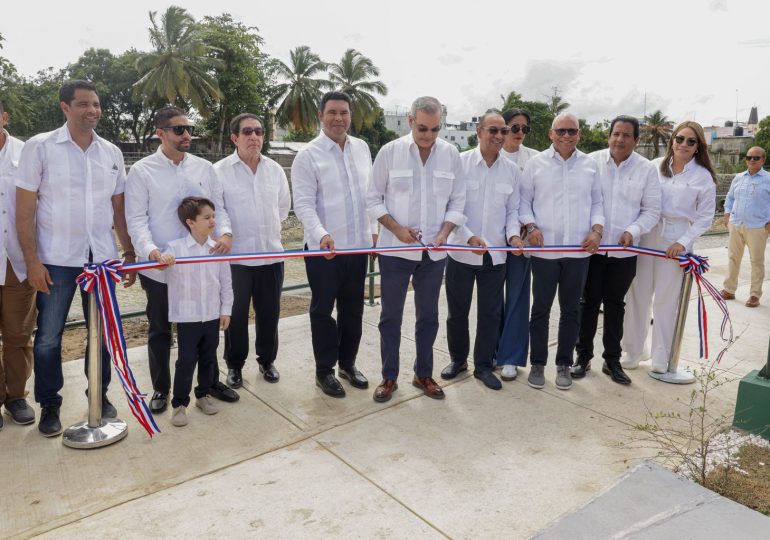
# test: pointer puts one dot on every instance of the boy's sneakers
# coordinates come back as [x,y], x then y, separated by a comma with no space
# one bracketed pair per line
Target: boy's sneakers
[206,405]
[179,416]
[20,411]
[536,377]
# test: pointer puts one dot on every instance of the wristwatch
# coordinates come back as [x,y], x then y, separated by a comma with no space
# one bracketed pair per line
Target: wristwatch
[531,227]
[228,234]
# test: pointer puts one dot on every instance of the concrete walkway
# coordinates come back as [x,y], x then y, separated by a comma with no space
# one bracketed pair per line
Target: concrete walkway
[289,462]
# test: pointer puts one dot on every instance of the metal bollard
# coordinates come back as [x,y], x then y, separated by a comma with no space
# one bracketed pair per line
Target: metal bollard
[673,374]
[96,431]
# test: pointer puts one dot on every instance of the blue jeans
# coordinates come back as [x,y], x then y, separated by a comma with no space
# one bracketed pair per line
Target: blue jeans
[52,311]
[513,346]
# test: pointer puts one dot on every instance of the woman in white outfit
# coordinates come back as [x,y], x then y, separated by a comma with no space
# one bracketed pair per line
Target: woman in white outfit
[688,194]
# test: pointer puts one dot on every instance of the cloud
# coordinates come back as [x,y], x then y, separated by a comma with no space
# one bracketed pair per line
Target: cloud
[354,38]
[765,42]
[718,5]
[449,59]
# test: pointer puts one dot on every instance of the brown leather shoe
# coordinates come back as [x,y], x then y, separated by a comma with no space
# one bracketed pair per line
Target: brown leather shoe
[726,295]
[384,390]
[429,386]
[753,301]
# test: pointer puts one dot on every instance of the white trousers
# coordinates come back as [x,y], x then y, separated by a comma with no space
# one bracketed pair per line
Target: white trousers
[657,286]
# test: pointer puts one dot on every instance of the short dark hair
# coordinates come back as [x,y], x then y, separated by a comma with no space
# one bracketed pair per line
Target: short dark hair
[510,114]
[67,90]
[628,120]
[163,117]
[235,123]
[489,114]
[335,96]
[191,208]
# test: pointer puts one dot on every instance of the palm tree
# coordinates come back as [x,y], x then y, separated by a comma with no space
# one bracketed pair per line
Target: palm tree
[301,92]
[556,104]
[656,131]
[352,76]
[179,67]
[511,101]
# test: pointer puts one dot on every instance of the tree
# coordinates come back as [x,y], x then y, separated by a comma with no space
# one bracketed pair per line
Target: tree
[241,75]
[181,64]
[593,138]
[377,135]
[656,131]
[14,99]
[352,76]
[762,136]
[556,104]
[473,141]
[511,101]
[540,119]
[42,96]
[301,92]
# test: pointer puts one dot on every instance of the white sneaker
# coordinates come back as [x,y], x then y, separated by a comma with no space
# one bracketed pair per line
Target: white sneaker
[206,405]
[659,369]
[509,372]
[179,416]
[631,360]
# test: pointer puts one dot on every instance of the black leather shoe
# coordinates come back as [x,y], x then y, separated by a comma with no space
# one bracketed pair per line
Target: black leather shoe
[579,370]
[616,373]
[269,373]
[330,385]
[453,370]
[489,379]
[234,378]
[108,409]
[49,425]
[354,377]
[159,402]
[221,392]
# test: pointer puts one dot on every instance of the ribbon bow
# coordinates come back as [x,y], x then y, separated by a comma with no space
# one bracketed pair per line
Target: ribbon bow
[697,266]
[100,279]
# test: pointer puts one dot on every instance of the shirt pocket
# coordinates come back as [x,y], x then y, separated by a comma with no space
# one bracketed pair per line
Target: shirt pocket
[442,183]
[472,190]
[503,189]
[400,181]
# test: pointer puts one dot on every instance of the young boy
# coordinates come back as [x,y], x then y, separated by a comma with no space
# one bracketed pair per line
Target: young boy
[200,298]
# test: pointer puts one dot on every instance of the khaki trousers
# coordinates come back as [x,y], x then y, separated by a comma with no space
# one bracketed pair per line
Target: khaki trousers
[17,320]
[756,240]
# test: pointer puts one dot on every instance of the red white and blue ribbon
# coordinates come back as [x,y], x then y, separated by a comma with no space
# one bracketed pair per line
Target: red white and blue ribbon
[100,279]
[697,266]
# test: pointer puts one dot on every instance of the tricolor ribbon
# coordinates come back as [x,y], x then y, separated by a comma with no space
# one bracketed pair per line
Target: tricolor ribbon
[697,266]
[99,279]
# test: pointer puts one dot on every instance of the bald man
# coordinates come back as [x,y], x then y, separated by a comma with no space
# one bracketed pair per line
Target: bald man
[747,216]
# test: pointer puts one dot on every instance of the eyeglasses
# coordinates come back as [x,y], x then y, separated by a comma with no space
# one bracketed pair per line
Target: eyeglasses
[524,128]
[179,130]
[561,132]
[423,129]
[494,130]
[753,158]
[247,131]
[690,142]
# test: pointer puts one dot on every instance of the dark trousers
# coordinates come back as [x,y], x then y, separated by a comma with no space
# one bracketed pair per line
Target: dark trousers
[426,277]
[609,279]
[261,287]
[339,280]
[514,334]
[198,342]
[569,276]
[489,280]
[159,333]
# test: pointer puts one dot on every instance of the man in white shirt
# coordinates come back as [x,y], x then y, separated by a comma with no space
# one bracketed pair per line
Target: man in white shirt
[154,188]
[561,204]
[492,212]
[69,194]
[328,180]
[416,191]
[17,297]
[513,346]
[631,196]
[257,198]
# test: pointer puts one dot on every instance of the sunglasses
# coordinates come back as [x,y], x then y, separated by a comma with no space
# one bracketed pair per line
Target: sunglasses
[179,130]
[423,129]
[494,130]
[561,132]
[690,142]
[247,131]
[753,158]
[524,128]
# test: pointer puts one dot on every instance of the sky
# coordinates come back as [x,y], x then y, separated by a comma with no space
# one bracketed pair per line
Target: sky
[693,60]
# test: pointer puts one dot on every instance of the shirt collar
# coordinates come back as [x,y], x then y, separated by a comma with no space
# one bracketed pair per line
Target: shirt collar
[477,158]
[553,154]
[64,135]
[164,158]
[687,166]
[413,144]
[192,242]
[760,173]
[328,143]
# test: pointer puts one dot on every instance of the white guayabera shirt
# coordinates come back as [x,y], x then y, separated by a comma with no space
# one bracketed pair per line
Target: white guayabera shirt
[631,194]
[256,205]
[415,195]
[520,157]
[9,241]
[563,198]
[154,189]
[75,190]
[329,187]
[491,206]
